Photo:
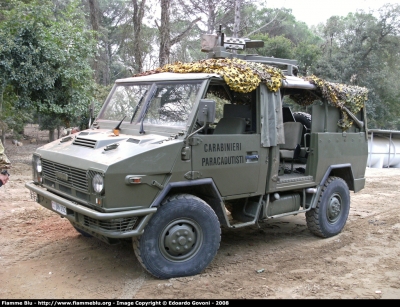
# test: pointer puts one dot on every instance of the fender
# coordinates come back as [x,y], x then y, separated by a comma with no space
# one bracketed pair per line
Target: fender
[203,188]
[343,171]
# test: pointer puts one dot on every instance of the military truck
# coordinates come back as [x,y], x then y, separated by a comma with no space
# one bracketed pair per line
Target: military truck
[177,153]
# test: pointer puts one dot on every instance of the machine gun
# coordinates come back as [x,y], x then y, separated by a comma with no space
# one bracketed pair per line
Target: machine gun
[217,46]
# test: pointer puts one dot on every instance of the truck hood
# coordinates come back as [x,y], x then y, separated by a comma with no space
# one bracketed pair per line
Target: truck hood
[101,148]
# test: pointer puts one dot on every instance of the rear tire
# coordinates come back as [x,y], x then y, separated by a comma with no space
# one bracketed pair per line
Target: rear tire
[181,239]
[332,210]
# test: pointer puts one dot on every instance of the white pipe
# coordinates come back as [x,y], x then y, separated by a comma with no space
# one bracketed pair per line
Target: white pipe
[383,151]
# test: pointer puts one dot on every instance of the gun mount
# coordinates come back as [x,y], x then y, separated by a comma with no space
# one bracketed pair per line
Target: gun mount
[217,46]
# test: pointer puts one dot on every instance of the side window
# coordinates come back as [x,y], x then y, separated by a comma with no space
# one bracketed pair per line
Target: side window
[238,108]
[221,97]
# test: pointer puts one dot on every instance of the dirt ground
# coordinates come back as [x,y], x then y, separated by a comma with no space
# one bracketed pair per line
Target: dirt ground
[43,257]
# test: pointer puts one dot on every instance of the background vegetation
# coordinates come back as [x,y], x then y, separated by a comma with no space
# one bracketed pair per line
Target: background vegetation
[59,56]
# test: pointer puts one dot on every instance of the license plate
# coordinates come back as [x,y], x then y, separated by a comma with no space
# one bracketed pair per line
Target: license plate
[59,208]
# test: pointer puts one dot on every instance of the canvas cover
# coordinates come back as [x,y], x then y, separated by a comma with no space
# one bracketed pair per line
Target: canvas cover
[271,118]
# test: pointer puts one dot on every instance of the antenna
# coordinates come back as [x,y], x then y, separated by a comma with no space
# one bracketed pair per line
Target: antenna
[116,129]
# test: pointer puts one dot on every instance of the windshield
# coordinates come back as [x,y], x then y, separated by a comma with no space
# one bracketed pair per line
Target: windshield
[159,103]
[123,102]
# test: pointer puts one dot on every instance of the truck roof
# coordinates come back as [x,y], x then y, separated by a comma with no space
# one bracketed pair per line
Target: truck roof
[295,82]
[169,76]
[288,82]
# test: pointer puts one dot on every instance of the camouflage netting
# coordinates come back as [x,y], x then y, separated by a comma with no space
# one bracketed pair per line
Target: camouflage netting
[338,95]
[244,77]
[241,76]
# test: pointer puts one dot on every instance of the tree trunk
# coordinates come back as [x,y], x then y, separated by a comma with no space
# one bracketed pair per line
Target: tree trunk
[138,13]
[107,71]
[236,26]
[94,21]
[58,132]
[51,135]
[211,17]
[165,30]
[166,42]
[94,18]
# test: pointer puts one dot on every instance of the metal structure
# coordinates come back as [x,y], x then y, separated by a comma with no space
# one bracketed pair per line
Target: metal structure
[383,148]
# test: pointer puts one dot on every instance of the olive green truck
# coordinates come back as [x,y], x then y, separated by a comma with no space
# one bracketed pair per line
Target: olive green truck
[177,153]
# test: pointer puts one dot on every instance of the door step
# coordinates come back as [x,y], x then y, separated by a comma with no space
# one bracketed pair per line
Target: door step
[289,178]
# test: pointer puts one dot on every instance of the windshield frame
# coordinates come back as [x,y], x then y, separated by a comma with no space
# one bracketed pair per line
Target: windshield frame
[152,86]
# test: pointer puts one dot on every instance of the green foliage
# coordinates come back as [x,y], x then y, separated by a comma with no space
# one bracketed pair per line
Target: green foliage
[277,47]
[47,53]
[362,49]
[12,118]
[45,59]
[307,55]
[284,37]
[276,22]
[48,122]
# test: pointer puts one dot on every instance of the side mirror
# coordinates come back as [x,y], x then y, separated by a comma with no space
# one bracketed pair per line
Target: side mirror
[206,113]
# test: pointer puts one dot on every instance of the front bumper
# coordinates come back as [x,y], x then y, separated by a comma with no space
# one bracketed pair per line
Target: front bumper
[115,225]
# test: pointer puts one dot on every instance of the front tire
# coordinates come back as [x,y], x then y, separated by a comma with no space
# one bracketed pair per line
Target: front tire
[181,239]
[332,210]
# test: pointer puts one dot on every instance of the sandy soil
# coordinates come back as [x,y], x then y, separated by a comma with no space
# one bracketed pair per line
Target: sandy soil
[42,256]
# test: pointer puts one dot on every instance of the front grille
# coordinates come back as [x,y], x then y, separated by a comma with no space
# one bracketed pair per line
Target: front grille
[65,189]
[84,142]
[115,225]
[66,175]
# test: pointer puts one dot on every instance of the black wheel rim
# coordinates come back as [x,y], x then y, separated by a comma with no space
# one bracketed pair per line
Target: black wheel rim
[180,240]
[334,208]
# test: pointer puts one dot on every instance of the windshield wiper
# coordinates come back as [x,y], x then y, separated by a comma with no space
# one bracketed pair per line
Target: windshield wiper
[153,90]
[138,105]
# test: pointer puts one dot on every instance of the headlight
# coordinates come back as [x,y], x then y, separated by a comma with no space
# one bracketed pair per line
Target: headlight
[38,165]
[36,168]
[98,183]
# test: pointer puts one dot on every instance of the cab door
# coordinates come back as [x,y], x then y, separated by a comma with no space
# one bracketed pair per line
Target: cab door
[231,160]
